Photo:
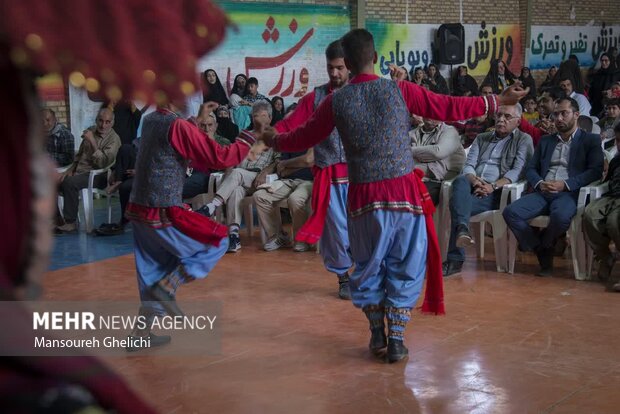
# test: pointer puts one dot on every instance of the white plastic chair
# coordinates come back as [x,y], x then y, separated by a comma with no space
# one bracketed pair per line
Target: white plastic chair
[87,194]
[581,258]
[493,217]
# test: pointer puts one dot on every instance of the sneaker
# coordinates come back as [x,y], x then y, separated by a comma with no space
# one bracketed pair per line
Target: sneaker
[463,238]
[277,241]
[301,247]
[234,243]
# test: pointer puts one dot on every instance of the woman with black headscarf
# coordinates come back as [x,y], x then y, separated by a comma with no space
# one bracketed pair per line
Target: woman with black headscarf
[214,89]
[548,82]
[463,84]
[601,81]
[499,76]
[225,125]
[436,82]
[527,80]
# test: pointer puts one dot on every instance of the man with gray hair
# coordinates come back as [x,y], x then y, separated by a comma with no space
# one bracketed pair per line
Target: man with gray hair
[98,150]
[495,159]
[244,179]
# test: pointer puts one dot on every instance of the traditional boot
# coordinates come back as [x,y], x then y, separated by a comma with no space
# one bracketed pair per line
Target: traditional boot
[344,291]
[376,315]
[397,322]
[144,338]
[165,290]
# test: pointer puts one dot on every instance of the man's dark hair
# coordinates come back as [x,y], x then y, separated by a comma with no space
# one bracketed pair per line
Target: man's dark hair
[555,92]
[334,50]
[612,101]
[252,81]
[585,123]
[565,78]
[359,48]
[573,103]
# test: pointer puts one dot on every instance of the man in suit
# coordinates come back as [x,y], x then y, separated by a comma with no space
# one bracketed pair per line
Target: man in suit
[561,165]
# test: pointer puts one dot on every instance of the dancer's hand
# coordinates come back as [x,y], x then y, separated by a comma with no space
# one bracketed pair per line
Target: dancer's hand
[513,94]
[397,73]
[267,136]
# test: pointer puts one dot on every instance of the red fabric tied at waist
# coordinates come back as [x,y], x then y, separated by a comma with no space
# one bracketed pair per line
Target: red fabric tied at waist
[194,225]
[433,294]
[312,230]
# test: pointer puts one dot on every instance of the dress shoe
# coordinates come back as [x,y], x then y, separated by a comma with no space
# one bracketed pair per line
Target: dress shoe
[378,340]
[154,341]
[616,287]
[396,350]
[463,238]
[166,299]
[451,267]
[545,260]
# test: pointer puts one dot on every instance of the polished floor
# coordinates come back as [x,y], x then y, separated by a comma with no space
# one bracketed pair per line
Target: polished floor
[508,344]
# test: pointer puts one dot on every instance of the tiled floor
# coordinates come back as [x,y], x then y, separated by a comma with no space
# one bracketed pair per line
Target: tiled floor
[508,344]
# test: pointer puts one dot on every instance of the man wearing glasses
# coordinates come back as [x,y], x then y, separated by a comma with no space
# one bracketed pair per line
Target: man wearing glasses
[561,165]
[495,159]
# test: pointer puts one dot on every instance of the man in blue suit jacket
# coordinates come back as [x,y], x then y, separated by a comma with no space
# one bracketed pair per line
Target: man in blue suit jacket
[561,165]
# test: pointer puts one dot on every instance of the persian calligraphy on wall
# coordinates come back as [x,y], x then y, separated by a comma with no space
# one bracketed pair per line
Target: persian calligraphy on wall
[550,45]
[412,45]
[282,45]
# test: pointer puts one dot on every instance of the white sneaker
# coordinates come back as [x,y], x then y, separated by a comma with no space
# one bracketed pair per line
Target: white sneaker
[301,247]
[277,241]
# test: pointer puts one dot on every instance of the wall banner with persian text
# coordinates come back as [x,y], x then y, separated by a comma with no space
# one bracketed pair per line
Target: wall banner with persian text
[412,45]
[282,45]
[551,45]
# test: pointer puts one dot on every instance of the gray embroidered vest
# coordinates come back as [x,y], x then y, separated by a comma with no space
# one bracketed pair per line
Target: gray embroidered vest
[329,151]
[373,122]
[160,170]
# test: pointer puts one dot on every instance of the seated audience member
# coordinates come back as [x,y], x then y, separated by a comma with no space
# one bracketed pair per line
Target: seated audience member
[494,160]
[60,143]
[608,124]
[464,84]
[601,220]
[121,180]
[244,179]
[240,109]
[277,104]
[98,150]
[418,76]
[214,90]
[601,81]
[225,126]
[527,80]
[291,108]
[499,76]
[486,89]
[437,151]
[548,82]
[530,113]
[566,83]
[197,182]
[435,81]
[471,128]
[561,165]
[252,94]
[126,119]
[294,184]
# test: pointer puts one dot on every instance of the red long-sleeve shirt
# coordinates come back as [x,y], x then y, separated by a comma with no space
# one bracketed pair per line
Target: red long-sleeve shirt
[397,191]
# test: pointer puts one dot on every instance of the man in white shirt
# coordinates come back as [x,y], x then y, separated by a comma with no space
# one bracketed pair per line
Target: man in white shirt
[566,84]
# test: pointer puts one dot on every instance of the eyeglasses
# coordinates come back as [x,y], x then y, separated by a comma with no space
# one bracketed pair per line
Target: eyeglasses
[507,117]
